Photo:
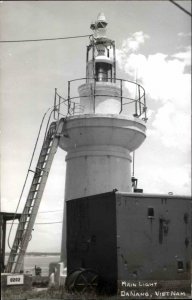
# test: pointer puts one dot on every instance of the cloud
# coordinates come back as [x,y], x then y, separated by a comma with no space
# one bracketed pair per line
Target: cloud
[184,56]
[168,92]
[129,45]
[163,77]
[172,127]
[184,34]
[133,43]
[167,179]
[167,84]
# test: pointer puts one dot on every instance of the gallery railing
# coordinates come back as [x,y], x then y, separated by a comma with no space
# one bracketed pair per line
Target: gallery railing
[131,96]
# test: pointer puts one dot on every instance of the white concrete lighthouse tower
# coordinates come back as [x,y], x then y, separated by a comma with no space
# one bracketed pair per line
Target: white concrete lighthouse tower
[98,135]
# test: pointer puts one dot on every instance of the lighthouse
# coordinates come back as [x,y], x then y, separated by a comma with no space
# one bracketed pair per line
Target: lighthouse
[115,237]
[112,232]
[99,133]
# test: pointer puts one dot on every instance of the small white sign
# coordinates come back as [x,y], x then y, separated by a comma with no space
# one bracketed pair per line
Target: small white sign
[15,279]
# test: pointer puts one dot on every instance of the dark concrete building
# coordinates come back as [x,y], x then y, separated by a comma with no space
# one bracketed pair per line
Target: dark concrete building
[131,236]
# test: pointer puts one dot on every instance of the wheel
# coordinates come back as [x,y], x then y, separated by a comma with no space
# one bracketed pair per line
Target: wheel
[82,281]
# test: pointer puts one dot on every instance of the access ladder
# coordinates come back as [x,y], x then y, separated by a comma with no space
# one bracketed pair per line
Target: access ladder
[31,207]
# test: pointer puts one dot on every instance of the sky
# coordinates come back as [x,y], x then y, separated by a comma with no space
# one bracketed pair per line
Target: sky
[153,41]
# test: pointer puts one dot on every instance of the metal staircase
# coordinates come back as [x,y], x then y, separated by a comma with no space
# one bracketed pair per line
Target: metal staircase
[31,207]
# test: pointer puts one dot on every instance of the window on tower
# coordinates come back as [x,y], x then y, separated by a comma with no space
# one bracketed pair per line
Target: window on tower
[103,71]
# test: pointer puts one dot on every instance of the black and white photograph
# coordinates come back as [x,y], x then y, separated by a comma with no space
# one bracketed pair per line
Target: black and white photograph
[95,150]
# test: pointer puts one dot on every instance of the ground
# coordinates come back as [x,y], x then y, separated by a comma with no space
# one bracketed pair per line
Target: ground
[55,293]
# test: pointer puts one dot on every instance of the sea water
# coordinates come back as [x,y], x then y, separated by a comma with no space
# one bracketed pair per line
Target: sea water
[41,261]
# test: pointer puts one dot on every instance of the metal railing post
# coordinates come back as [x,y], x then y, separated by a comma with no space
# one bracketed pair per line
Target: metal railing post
[94,88]
[145,106]
[54,110]
[87,59]
[114,62]
[139,100]
[68,97]
[59,106]
[136,115]
[94,76]
[121,95]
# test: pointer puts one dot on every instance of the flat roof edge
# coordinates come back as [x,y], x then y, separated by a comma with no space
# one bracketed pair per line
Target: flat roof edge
[150,195]
[136,195]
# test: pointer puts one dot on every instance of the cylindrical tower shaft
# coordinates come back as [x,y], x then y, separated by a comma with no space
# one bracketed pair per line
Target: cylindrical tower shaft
[99,140]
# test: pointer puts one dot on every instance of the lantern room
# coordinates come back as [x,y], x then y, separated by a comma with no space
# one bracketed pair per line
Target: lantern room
[100,64]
